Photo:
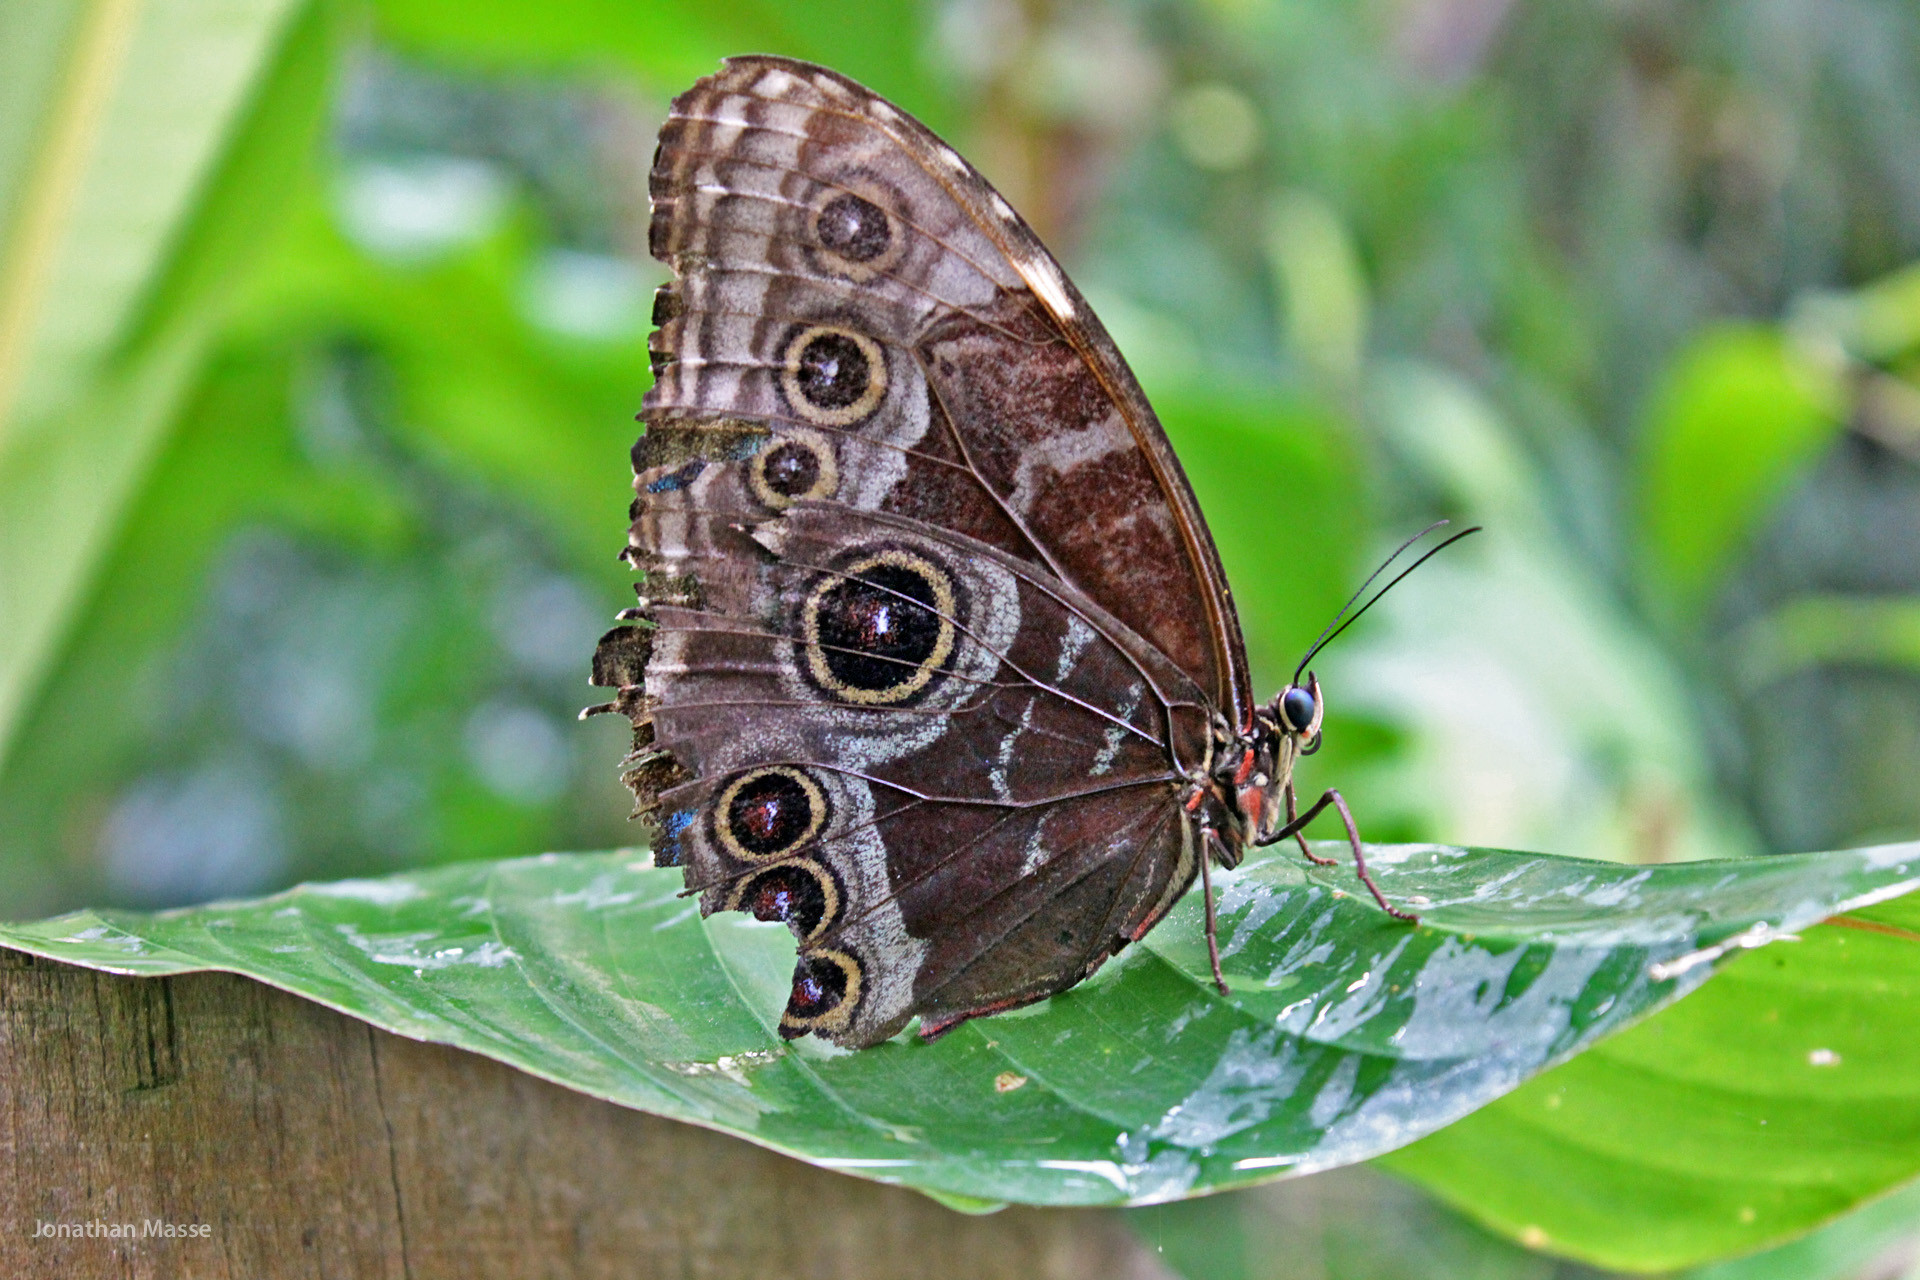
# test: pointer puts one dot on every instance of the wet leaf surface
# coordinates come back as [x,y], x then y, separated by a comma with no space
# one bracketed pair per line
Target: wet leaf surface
[1780,1096]
[1346,1034]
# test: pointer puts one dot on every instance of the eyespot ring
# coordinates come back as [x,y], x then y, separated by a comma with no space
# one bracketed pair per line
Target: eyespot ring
[840,654]
[796,465]
[801,893]
[832,375]
[764,815]
[826,990]
[854,228]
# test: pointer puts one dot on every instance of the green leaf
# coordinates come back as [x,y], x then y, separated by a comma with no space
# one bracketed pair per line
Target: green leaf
[161,149]
[1774,1099]
[1741,412]
[132,123]
[1827,630]
[1842,1250]
[1347,1033]
[473,380]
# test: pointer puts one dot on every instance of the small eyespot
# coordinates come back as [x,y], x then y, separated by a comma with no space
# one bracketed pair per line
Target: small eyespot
[796,465]
[833,370]
[801,893]
[767,814]
[852,228]
[826,989]
[1296,708]
[833,376]
[855,227]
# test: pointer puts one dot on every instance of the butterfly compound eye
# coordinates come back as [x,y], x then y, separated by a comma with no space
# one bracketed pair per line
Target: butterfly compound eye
[1296,708]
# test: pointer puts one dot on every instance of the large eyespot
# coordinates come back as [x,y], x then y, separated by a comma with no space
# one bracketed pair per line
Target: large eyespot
[881,629]
[833,376]
[796,465]
[1296,709]
[853,230]
[802,893]
[769,813]
[826,989]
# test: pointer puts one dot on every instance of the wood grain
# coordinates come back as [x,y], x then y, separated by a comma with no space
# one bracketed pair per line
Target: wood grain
[311,1145]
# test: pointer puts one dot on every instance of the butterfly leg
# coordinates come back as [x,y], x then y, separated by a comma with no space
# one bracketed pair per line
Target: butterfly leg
[1301,836]
[1208,838]
[1334,798]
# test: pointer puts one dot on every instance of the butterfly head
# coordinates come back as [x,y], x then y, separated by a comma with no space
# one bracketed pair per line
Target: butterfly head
[1258,773]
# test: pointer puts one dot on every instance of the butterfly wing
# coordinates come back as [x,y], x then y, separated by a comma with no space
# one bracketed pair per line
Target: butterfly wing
[934,632]
[842,271]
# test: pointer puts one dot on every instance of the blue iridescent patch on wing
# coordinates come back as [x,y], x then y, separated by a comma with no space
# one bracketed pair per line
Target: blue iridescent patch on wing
[678,478]
[666,850]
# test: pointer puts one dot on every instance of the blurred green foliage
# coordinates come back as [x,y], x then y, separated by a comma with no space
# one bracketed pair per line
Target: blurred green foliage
[1739,415]
[322,323]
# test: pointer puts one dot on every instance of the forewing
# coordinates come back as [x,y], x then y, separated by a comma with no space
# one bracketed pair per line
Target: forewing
[847,280]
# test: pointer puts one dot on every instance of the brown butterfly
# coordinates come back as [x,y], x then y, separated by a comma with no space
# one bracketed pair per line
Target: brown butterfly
[935,659]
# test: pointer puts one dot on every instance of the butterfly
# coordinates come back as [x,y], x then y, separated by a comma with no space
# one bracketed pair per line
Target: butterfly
[934,658]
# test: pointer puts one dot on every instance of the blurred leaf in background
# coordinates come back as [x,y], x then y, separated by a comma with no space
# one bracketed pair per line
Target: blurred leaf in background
[143,151]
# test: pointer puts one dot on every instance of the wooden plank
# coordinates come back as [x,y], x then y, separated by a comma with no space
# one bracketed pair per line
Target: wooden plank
[301,1143]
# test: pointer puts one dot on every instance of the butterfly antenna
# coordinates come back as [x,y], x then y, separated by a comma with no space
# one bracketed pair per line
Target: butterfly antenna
[1341,612]
[1337,626]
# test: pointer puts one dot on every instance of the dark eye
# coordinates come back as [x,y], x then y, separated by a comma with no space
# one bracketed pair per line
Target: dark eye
[1296,708]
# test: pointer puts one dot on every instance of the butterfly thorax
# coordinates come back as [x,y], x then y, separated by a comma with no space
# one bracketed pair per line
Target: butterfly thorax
[1252,772]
